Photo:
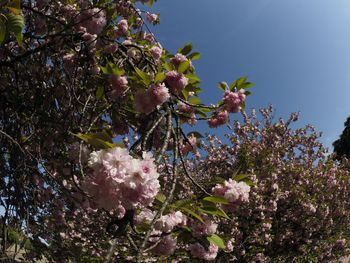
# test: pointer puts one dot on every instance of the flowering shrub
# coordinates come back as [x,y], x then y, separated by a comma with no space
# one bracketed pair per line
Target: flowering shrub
[297,206]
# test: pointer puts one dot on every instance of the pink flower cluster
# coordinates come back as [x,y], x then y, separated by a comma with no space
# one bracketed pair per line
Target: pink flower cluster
[167,223]
[203,229]
[236,193]
[119,85]
[94,20]
[152,18]
[219,119]
[122,28]
[176,80]
[178,58]
[156,52]
[121,181]
[155,95]
[233,100]
[197,250]
[190,145]
[166,246]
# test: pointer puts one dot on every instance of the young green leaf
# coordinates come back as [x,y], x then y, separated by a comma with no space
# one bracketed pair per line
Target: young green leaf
[216,199]
[216,240]
[99,140]
[194,100]
[223,85]
[186,49]
[159,77]
[183,66]
[143,76]
[193,214]
[195,56]
[211,210]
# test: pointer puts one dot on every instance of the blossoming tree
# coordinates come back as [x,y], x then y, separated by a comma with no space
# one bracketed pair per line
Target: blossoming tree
[76,77]
[97,167]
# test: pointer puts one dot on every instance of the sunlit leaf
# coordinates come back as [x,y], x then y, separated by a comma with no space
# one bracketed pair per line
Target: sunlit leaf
[183,66]
[160,76]
[214,211]
[143,76]
[216,240]
[186,49]
[216,199]
[192,213]
[195,56]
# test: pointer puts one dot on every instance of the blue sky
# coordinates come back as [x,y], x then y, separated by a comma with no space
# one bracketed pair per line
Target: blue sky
[296,51]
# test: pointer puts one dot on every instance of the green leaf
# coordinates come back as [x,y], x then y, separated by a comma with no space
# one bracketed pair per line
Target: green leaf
[15,23]
[244,178]
[183,66]
[194,100]
[216,240]
[159,77]
[240,81]
[211,210]
[168,66]
[181,203]
[100,93]
[186,49]
[101,140]
[216,200]
[160,197]
[191,213]
[247,85]
[195,56]
[223,85]
[19,38]
[192,77]
[240,177]
[143,76]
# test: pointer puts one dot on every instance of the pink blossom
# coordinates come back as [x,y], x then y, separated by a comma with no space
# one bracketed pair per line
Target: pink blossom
[122,28]
[235,193]
[166,246]
[190,145]
[176,80]
[147,101]
[178,58]
[167,222]
[145,216]
[110,49]
[152,18]
[220,119]
[160,93]
[119,180]
[156,52]
[203,229]
[233,101]
[119,85]
[197,250]
[94,20]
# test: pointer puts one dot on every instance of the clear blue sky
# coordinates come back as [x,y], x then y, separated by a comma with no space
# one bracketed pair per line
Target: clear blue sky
[296,51]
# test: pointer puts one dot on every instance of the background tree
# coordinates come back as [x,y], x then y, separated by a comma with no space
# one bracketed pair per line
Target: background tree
[342,145]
